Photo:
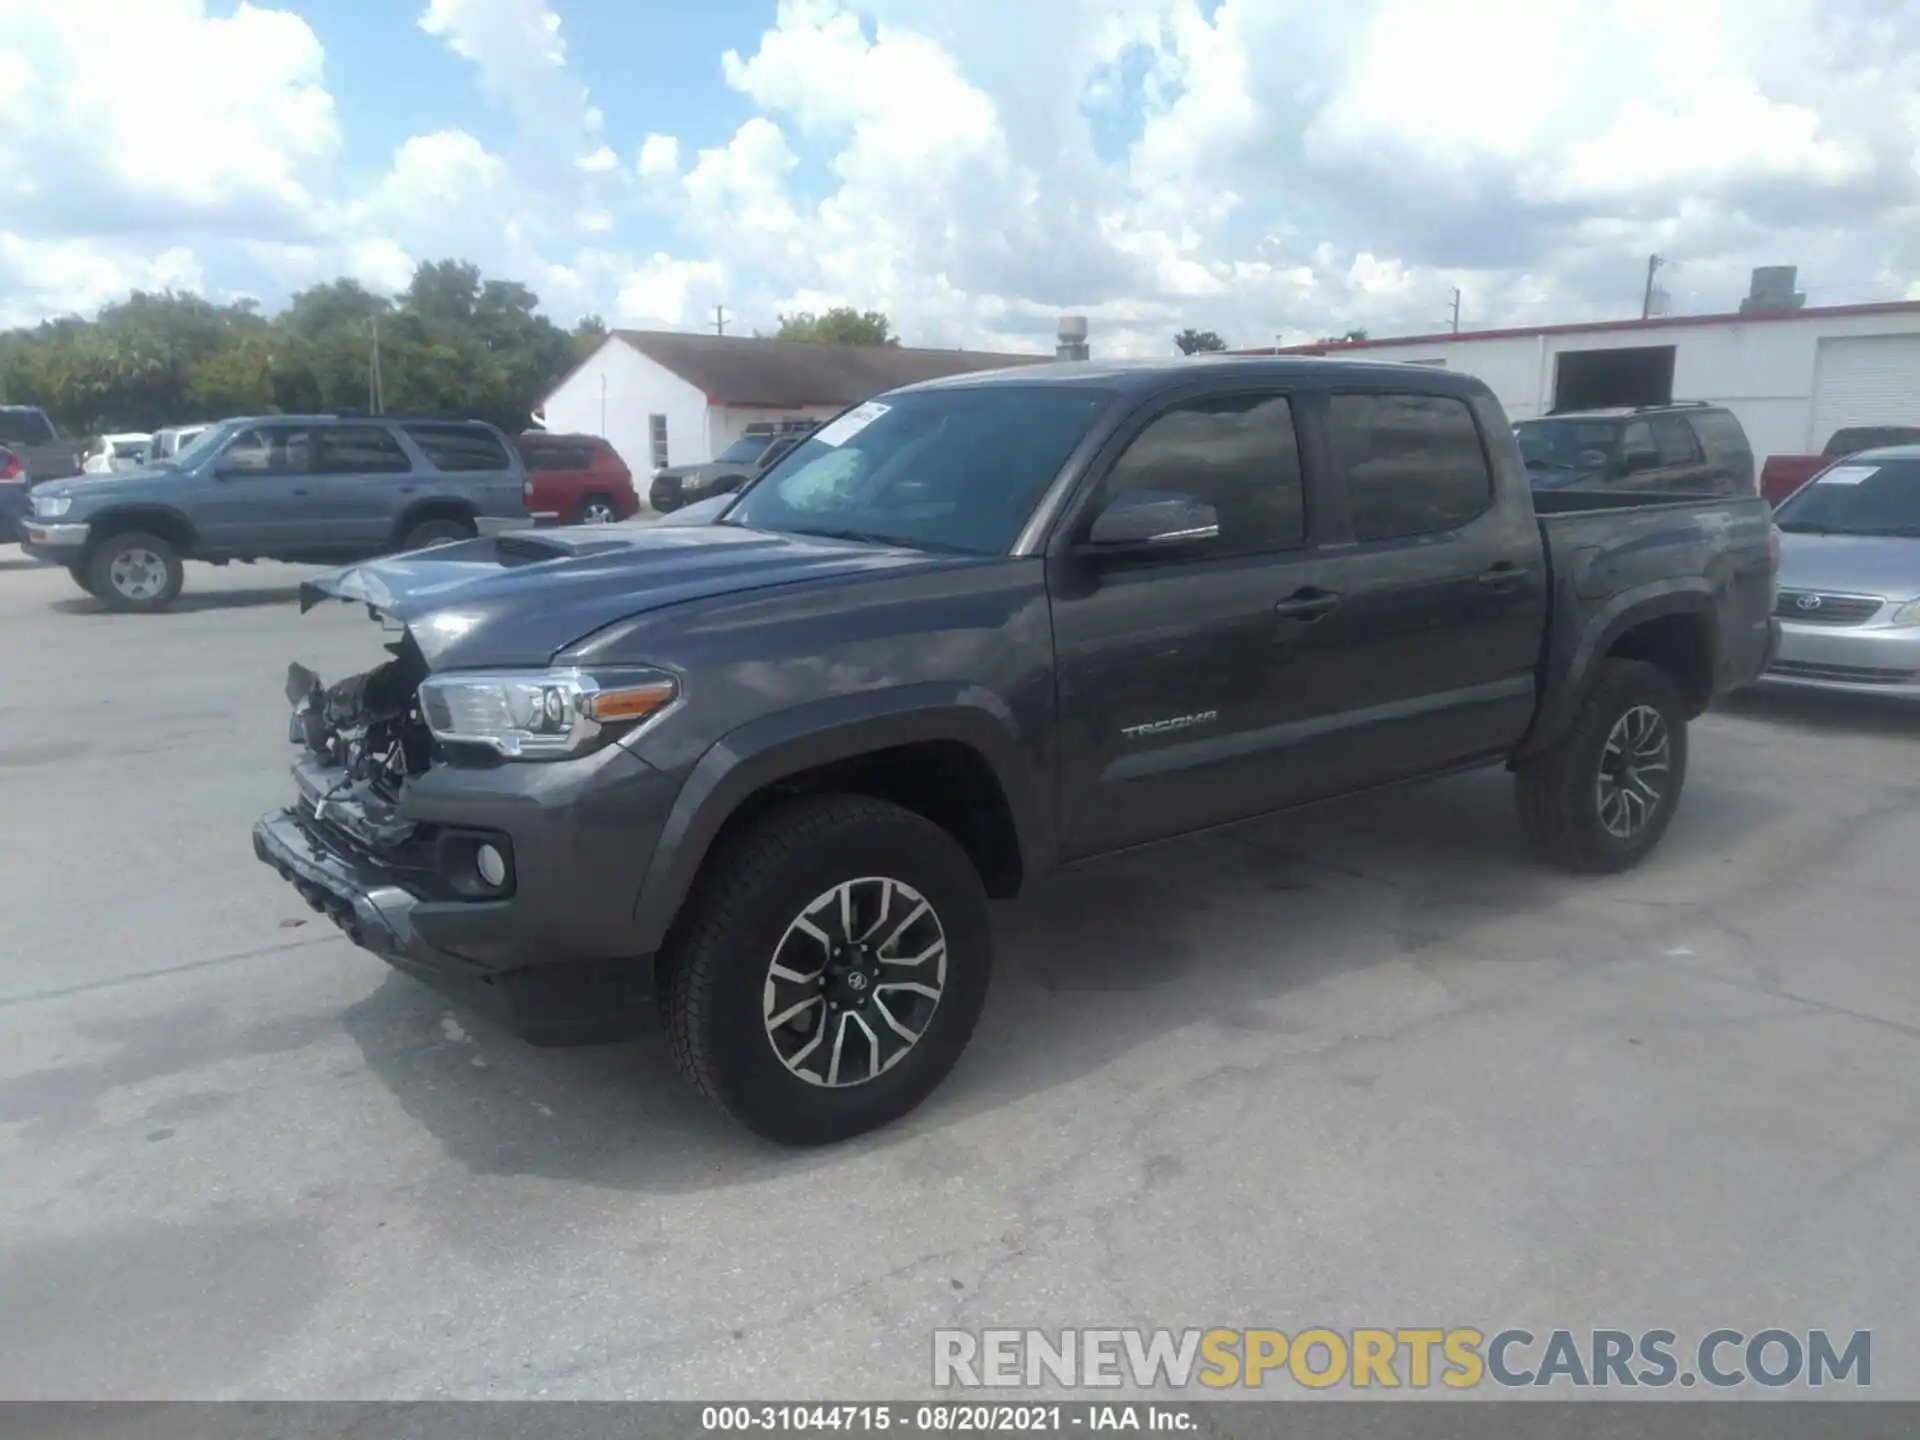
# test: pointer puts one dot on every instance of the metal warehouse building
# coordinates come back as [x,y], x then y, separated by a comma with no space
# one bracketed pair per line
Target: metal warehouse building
[1793,376]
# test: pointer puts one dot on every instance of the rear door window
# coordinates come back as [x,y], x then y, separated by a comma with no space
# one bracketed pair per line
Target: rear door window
[360,450]
[460,447]
[1673,441]
[1413,464]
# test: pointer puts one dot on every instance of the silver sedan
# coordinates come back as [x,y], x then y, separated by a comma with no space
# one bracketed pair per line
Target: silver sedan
[1849,605]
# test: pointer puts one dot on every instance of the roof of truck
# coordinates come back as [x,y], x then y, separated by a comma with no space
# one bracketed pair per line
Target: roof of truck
[1156,374]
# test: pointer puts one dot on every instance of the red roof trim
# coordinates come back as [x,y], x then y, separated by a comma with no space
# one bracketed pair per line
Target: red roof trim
[1589,327]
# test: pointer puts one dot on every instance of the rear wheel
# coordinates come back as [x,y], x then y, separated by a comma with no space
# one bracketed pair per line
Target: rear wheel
[830,967]
[135,573]
[437,532]
[597,510]
[1599,801]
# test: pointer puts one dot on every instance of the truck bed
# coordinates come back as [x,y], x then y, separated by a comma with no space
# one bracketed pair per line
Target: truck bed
[1707,559]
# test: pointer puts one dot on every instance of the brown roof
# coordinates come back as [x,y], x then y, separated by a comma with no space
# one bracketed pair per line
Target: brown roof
[1585,327]
[788,374]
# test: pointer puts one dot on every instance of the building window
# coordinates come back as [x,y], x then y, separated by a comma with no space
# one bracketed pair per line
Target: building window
[657,432]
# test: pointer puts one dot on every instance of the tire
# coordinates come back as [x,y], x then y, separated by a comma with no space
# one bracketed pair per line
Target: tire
[743,919]
[597,510]
[82,579]
[437,532]
[1565,808]
[135,573]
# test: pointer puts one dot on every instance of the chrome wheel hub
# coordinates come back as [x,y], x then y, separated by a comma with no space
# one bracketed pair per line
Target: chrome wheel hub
[137,574]
[854,982]
[597,513]
[1633,771]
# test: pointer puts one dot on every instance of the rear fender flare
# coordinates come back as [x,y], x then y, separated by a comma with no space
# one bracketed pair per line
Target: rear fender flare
[766,751]
[1565,693]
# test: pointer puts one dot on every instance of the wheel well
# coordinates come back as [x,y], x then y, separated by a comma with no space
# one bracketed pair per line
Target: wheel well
[947,781]
[1681,645]
[427,510]
[170,525]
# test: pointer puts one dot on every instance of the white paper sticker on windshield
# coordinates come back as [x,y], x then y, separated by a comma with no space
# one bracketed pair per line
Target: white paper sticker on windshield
[851,423]
[1848,474]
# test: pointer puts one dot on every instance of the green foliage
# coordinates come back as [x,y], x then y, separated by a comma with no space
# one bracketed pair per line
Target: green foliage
[1194,342]
[453,343]
[842,325]
[1341,339]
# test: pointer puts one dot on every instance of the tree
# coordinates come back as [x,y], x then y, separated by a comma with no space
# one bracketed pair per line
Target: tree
[587,335]
[1194,342]
[842,325]
[454,342]
[1351,335]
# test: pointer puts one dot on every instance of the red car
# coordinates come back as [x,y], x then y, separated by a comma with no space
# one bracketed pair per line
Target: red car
[575,480]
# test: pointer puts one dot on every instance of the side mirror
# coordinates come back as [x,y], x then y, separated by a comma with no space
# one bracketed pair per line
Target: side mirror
[1142,521]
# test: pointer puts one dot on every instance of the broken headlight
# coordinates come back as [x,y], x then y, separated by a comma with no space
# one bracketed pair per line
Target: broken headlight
[542,714]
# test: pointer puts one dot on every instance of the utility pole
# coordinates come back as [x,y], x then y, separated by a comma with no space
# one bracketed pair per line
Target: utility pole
[1654,262]
[720,320]
[1456,309]
[376,392]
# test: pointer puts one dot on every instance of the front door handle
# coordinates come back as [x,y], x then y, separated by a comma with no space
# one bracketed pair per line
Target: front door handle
[1504,577]
[1308,604]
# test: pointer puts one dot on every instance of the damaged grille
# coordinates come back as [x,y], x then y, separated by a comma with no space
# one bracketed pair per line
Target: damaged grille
[363,737]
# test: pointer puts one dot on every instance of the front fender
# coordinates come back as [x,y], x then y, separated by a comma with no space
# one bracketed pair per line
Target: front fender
[1573,658]
[775,747]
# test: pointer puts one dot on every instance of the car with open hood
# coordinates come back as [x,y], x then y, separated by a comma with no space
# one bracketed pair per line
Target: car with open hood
[760,776]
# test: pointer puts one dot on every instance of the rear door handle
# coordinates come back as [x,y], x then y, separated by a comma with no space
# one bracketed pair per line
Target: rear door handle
[1504,577]
[1307,604]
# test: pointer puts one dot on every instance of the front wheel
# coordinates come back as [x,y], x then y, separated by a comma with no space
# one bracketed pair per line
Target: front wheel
[1599,800]
[830,967]
[135,573]
[82,579]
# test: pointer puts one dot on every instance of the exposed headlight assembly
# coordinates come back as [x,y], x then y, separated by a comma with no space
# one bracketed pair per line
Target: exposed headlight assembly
[543,714]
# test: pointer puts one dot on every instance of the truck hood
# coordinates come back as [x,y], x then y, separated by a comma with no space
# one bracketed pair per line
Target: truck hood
[1851,564]
[522,597]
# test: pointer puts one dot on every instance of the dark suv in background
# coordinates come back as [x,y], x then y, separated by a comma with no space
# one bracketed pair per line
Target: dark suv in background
[757,451]
[315,488]
[1691,449]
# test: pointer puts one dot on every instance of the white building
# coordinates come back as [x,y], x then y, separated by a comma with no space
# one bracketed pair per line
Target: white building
[1792,377]
[663,398]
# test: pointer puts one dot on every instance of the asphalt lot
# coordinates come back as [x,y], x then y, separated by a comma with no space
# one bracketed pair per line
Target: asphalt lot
[1368,1067]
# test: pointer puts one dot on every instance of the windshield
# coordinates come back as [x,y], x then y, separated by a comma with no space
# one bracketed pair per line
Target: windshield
[1860,497]
[744,451]
[204,445]
[949,469]
[1567,444]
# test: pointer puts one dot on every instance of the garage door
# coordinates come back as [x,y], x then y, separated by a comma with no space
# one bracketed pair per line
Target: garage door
[1870,380]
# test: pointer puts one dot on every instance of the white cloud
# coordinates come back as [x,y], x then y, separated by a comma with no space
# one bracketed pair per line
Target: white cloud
[669,293]
[659,155]
[1258,167]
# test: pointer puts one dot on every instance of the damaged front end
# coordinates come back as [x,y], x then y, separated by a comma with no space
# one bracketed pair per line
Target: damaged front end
[364,738]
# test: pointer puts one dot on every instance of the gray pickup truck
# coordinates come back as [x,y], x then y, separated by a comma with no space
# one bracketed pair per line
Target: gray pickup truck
[313,488]
[766,771]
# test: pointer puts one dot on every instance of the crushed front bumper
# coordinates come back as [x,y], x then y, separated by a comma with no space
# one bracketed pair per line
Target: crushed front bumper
[562,1002]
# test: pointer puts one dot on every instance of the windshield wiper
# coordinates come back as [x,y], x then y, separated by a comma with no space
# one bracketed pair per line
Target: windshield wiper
[900,542]
[1803,527]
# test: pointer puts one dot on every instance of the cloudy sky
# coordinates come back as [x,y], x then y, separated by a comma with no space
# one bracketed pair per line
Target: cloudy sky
[973,167]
